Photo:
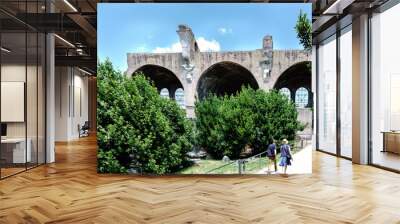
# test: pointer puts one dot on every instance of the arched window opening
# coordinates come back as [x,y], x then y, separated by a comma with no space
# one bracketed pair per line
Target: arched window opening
[225,78]
[164,93]
[180,97]
[301,97]
[285,91]
[161,77]
[294,78]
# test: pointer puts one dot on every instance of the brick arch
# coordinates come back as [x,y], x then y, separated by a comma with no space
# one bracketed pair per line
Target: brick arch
[237,76]
[170,61]
[173,70]
[296,68]
[283,60]
[162,77]
[296,76]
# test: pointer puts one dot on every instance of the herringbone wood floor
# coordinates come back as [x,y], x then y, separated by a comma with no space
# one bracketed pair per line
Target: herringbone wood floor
[70,191]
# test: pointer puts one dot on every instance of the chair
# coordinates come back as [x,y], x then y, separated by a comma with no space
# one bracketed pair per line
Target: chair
[84,130]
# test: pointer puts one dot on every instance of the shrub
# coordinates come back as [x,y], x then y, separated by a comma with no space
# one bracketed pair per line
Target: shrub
[138,127]
[225,125]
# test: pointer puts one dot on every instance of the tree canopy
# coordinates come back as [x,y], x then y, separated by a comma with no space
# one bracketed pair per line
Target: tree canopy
[304,30]
[137,127]
[225,125]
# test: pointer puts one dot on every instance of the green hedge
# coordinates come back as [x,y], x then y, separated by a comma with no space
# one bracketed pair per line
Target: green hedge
[225,125]
[138,127]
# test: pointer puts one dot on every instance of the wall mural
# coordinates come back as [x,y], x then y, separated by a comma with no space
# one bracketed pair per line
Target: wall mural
[196,97]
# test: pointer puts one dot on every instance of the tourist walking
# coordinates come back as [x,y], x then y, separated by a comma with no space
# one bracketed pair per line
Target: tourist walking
[271,154]
[286,155]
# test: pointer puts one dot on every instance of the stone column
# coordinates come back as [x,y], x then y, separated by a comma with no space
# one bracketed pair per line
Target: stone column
[50,98]
[171,91]
[190,92]
[188,42]
[188,66]
[266,62]
[292,94]
[360,90]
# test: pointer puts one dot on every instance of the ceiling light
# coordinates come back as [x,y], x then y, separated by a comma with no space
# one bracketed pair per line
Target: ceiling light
[337,7]
[84,71]
[5,50]
[70,5]
[64,40]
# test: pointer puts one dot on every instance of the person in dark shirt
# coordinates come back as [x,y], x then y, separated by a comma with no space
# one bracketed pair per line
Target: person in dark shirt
[271,154]
[286,155]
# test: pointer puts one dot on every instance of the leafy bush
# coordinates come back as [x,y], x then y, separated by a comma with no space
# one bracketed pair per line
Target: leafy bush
[137,127]
[225,125]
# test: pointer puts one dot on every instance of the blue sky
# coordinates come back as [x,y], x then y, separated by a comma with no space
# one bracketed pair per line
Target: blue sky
[129,28]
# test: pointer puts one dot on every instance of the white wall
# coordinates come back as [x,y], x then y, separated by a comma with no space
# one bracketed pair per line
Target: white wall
[34,124]
[79,117]
[62,85]
[12,73]
[70,83]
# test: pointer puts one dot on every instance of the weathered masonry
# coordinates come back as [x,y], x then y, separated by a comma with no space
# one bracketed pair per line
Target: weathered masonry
[196,74]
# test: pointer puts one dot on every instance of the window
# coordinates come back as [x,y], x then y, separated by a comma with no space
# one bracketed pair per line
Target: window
[22,103]
[180,97]
[164,93]
[285,91]
[327,95]
[385,88]
[301,98]
[346,92]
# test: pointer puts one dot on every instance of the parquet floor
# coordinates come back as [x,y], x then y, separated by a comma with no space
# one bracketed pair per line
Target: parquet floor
[11,170]
[70,191]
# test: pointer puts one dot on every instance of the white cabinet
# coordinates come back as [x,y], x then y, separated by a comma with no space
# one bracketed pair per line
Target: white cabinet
[19,155]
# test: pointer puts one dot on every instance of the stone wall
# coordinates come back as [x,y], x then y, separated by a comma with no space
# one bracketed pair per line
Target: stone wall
[251,60]
[305,116]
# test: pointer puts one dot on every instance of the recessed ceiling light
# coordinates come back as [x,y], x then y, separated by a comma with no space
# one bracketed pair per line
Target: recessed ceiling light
[64,40]
[337,7]
[70,5]
[5,50]
[84,71]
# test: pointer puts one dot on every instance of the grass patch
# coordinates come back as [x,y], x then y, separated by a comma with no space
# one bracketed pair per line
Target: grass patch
[205,165]
[251,167]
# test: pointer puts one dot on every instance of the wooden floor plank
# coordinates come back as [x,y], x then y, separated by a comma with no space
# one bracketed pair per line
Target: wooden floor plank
[70,191]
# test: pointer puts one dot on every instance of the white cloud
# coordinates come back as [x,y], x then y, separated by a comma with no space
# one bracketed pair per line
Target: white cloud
[208,45]
[223,30]
[203,43]
[175,47]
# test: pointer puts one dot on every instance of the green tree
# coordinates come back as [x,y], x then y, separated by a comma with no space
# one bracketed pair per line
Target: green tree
[225,125]
[137,126]
[304,30]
